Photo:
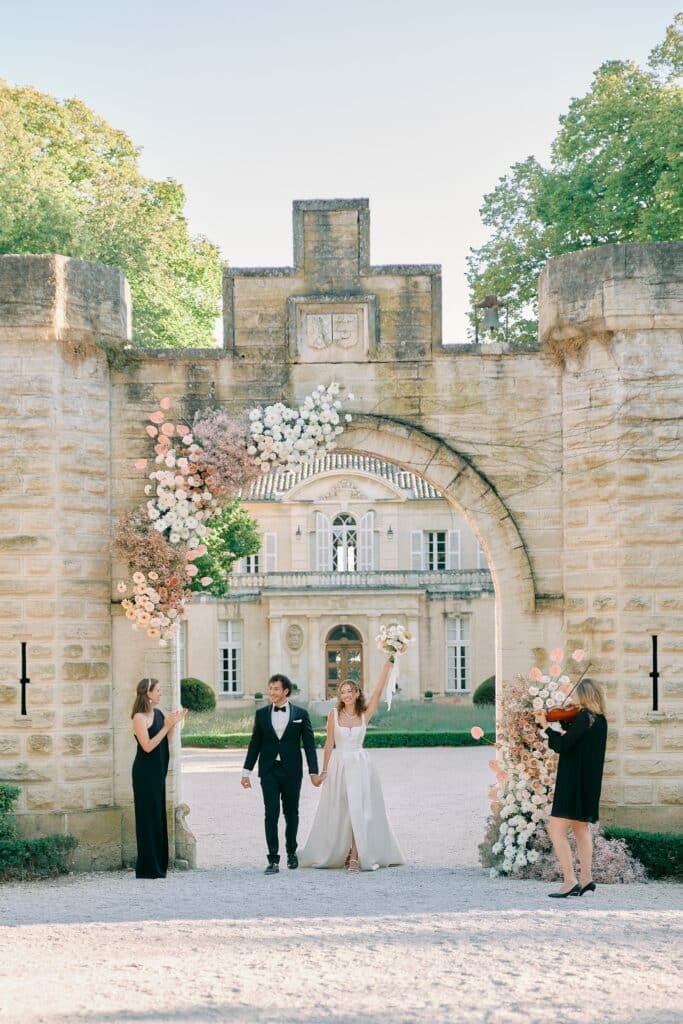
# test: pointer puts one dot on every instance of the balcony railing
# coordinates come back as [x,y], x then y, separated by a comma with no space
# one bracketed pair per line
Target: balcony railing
[466,582]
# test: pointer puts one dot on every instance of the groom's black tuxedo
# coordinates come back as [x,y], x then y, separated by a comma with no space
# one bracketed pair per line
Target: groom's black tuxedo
[265,745]
[280,770]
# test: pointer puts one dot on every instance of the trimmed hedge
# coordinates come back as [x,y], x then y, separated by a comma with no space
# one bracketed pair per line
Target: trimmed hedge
[29,858]
[485,693]
[35,858]
[660,853]
[196,695]
[372,739]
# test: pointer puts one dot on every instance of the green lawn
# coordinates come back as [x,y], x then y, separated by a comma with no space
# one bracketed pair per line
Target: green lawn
[405,716]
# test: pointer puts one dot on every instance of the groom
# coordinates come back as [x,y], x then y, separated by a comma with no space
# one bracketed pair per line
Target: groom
[276,740]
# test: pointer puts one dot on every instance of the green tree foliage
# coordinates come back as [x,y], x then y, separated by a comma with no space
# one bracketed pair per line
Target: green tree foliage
[615,175]
[71,184]
[234,534]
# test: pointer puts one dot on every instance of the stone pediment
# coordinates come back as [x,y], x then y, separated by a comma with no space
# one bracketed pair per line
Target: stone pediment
[336,487]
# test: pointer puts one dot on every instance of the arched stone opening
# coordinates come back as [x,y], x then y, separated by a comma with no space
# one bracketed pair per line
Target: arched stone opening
[522,624]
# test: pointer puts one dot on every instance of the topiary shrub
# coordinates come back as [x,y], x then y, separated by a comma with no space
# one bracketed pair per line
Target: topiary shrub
[485,693]
[196,695]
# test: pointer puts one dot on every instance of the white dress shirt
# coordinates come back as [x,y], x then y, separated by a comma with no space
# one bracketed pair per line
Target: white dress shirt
[279,720]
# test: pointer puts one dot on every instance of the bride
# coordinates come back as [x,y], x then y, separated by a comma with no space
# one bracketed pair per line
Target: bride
[351,826]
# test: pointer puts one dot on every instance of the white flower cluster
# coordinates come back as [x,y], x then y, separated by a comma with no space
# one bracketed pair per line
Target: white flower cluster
[182,502]
[525,770]
[148,611]
[281,435]
[526,799]
[393,639]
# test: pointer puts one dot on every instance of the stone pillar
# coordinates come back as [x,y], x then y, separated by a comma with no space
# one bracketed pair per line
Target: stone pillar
[614,316]
[58,317]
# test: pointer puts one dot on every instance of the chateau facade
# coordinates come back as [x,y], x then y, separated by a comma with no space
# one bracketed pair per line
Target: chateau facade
[349,543]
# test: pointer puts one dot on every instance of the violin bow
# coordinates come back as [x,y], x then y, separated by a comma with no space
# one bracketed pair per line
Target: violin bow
[575,685]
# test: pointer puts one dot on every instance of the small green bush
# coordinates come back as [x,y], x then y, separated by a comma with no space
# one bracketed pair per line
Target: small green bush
[196,695]
[29,858]
[35,858]
[429,694]
[660,853]
[485,693]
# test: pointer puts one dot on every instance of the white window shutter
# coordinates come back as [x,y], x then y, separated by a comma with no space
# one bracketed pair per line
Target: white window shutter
[417,549]
[323,542]
[366,541]
[453,549]
[270,552]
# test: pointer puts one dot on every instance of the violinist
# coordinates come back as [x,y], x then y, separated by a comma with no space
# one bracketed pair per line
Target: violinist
[577,787]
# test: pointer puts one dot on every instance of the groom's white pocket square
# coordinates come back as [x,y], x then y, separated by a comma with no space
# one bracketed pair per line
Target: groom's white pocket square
[297,721]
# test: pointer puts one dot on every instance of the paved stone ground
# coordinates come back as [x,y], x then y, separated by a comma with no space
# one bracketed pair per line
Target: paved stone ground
[435,941]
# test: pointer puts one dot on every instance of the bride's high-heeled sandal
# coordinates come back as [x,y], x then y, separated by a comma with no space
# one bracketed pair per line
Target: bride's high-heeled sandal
[353,865]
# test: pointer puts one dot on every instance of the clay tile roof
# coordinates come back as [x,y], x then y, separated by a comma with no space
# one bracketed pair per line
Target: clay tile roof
[272,486]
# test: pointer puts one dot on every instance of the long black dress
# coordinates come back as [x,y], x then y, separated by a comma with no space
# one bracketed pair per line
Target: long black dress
[149,791]
[579,772]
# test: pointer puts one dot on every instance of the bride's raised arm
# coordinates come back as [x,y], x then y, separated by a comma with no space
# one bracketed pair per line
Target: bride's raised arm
[373,703]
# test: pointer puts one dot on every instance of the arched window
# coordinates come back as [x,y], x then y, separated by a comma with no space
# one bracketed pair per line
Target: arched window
[344,543]
[343,658]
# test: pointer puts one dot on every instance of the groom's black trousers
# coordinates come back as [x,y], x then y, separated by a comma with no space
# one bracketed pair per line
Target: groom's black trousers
[277,786]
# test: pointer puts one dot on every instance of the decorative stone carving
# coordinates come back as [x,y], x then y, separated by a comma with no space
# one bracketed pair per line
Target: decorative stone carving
[345,489]
[294,637]
[324,330]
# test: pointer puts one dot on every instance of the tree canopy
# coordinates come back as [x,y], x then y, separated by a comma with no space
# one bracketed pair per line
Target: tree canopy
[615,175]
[71,184]
[234,534]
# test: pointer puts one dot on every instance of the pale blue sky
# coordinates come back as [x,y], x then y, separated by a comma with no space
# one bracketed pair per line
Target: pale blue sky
[420,106]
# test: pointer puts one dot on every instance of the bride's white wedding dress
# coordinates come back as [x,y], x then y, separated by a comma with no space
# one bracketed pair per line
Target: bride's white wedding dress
[351,806]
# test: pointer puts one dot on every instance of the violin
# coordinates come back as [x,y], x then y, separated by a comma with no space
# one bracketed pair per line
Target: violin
[566,712]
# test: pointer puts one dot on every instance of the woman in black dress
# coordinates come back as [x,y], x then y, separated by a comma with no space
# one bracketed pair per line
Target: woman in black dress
[577,787]
[151,731]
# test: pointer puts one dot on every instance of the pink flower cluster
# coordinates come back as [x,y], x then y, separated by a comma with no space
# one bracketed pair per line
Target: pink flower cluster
[193,472]
[155,605]
[521,797]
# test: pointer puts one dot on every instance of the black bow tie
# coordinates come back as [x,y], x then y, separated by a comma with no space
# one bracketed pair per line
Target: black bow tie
[276,708]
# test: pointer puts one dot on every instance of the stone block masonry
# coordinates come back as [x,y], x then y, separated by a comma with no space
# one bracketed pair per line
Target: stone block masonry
[566,461]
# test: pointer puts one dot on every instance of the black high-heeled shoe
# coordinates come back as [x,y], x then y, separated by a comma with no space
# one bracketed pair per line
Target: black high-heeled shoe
[574,891]
[588,887]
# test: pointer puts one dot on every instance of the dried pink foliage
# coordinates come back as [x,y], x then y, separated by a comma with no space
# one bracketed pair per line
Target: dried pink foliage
[224,440]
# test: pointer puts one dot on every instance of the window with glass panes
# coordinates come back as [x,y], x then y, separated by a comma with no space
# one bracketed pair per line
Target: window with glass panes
[457,655]
[435,549]
[251,563]
[230,656]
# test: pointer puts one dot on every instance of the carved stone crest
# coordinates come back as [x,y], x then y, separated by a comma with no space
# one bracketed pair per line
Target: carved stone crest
[294,637]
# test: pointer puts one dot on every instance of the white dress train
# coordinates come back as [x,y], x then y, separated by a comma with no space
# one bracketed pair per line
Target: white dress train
[351,806]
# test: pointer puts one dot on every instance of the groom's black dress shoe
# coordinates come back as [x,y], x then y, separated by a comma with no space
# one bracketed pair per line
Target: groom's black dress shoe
[293,861]
[272,869]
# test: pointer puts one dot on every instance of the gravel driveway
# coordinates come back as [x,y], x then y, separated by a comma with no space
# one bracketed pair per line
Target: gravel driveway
[435,941]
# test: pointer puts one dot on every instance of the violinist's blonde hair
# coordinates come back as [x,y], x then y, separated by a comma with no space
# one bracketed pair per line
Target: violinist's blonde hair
[590,696]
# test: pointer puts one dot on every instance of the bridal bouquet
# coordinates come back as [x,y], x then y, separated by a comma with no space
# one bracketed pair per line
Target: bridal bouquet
[393,640]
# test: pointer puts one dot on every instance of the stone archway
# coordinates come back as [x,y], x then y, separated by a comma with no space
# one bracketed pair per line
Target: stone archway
[521,623]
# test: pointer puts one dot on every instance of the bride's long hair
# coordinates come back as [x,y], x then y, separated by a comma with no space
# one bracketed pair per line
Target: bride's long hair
[361,703]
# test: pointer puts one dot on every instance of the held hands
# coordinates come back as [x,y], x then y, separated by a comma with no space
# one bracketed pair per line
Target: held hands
[318,780]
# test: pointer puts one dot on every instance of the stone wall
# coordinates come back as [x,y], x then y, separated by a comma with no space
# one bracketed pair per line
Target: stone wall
[614,315]
[566,462]
[55,570]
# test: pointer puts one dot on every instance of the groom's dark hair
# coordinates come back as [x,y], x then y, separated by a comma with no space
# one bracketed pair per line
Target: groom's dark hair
[283,680]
